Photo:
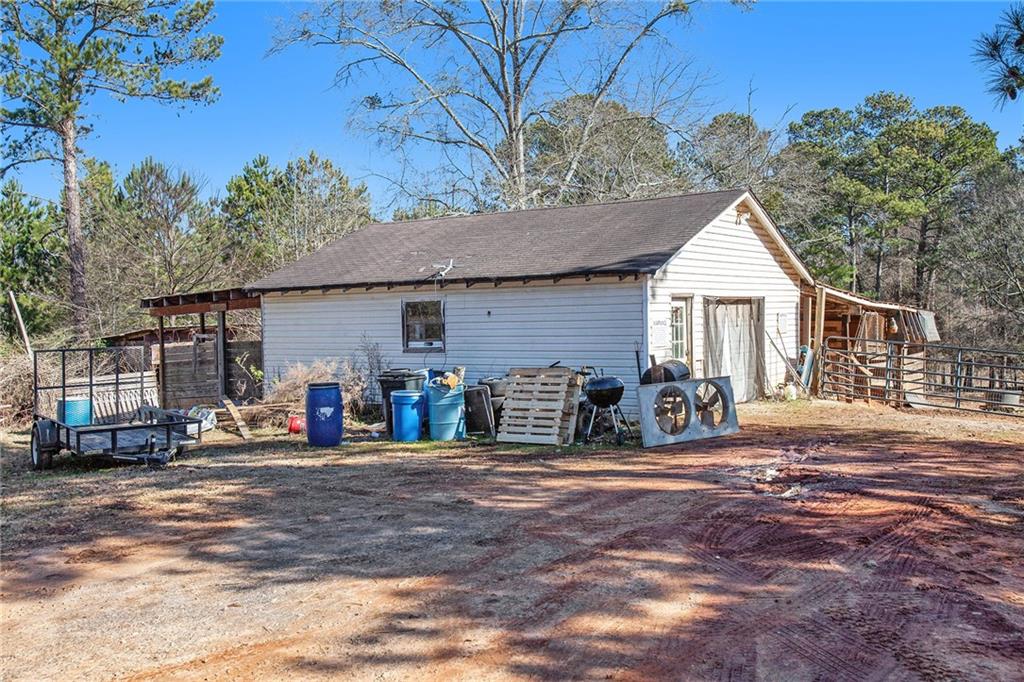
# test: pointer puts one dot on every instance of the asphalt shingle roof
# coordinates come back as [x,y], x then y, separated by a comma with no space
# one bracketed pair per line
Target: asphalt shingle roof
[615,238]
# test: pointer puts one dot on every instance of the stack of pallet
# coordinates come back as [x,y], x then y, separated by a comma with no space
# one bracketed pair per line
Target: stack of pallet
[541,405]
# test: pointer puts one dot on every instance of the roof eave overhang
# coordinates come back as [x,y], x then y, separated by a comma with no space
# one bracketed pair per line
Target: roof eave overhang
[856,299]
[467,282]
[220,300]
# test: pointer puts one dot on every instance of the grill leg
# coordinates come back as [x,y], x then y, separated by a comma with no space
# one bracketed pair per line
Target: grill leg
[586,439]
[629,429]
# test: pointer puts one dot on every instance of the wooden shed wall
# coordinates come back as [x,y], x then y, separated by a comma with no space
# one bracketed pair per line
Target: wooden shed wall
[191,376]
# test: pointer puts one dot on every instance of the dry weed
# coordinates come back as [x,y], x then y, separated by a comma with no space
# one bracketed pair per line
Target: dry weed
[16,370]
[290,389]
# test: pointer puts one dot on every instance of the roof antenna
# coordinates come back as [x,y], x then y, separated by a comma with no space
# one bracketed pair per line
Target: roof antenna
[444,269]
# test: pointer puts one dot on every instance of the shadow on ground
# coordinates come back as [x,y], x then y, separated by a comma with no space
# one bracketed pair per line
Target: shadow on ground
[831,553]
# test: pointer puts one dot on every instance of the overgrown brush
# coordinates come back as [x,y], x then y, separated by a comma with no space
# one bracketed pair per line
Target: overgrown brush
[16,369]
[15,387]
[290,388]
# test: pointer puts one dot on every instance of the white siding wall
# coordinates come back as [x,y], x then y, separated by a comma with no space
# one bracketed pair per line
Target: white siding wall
[488,330]
[729,260]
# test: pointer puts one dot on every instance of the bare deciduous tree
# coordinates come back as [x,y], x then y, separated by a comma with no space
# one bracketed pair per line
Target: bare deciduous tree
[470,78]
[985,253]
[627,155]
[151,236]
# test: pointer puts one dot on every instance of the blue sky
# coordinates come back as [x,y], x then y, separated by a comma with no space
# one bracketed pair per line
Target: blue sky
[797,54]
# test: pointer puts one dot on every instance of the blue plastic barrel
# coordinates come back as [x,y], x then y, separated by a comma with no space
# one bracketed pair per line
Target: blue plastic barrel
[324,418]
[429,374]
[406,414]
[447,408]
[75,411]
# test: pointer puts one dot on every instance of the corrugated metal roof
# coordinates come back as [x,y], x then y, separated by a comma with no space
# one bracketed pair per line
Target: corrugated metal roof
[615,238]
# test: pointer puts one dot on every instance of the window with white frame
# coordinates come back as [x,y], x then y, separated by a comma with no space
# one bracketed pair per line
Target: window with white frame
[423,326]
[682,329]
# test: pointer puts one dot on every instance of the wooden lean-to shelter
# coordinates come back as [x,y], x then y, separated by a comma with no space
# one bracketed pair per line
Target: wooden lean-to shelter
[861,344]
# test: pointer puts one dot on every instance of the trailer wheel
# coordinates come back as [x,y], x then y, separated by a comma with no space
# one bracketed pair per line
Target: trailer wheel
[42,457]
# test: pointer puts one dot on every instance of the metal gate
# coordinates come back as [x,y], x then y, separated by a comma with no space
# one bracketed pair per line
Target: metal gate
[923,375]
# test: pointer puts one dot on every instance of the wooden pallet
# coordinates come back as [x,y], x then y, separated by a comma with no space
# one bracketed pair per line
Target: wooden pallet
[110,407]
[541,406]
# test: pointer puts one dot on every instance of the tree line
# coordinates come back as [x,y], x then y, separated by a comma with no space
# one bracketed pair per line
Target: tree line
[153,232]
[516,105]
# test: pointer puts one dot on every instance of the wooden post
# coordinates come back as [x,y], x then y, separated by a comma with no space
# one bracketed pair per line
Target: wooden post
[957,378]
[21,324]
[163,365]
[819,340]
[202,323]
[888,374]
[222,353]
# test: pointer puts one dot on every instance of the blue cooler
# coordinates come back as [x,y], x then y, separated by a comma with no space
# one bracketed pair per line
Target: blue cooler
[75,411]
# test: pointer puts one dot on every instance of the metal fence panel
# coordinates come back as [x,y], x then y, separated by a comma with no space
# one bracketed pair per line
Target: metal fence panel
[923,375]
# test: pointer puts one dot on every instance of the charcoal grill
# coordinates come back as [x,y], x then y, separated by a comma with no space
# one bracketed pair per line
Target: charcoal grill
[604,393]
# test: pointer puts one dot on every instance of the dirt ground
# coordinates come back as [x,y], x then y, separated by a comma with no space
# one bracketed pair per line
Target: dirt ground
[824,542]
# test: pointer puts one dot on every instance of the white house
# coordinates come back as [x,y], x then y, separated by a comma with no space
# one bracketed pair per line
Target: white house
[702,277]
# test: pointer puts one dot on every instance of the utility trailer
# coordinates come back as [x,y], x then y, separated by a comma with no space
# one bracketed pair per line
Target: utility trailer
[122,421]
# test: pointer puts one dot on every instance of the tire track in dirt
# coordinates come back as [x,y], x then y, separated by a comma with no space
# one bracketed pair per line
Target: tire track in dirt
[885,635]
[541,634]
[524,532]
[746,620]
[718,533]
[798,638]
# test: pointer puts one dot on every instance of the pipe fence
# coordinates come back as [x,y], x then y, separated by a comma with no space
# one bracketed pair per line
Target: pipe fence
[923,375]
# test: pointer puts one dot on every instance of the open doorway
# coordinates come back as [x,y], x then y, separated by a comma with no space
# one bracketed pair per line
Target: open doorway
[734,344]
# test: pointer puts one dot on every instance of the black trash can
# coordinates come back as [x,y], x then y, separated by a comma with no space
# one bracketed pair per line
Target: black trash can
[397,380]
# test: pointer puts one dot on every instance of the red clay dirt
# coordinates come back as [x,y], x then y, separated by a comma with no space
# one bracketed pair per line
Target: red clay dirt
[824,542]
